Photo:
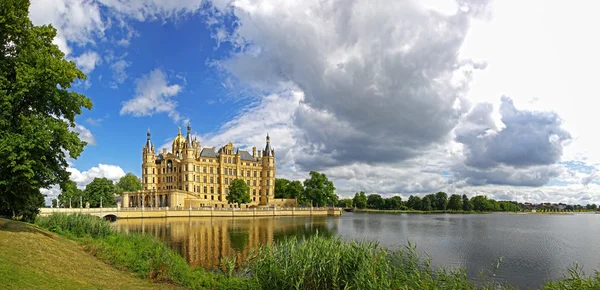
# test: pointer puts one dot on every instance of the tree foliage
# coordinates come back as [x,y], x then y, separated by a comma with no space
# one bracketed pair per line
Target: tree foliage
[360,200]
[37,110]
[70,194]
[128,183]
[346,203]
[318,190]
[287,189]
[455,202]
[239,192]
[100,188]
[375,201]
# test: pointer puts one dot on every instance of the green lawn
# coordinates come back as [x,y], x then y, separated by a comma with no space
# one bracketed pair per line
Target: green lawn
[32,258]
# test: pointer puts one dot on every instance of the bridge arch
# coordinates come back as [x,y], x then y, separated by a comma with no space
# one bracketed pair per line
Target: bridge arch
[110,217]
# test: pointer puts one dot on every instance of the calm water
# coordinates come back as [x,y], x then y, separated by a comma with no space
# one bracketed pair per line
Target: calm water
[533,248]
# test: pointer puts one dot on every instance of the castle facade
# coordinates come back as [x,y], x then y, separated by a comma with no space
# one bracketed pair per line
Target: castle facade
[192,175]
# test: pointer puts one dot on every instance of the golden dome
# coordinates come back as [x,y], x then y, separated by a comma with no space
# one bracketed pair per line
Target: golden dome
[179,139]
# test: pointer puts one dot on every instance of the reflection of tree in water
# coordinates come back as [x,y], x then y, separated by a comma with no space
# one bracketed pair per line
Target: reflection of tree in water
[238,238]
[303,231]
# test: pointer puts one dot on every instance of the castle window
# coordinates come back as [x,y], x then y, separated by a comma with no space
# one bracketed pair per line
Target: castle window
[204,169]
[254,198]
[205,191]
[180,180]
[267,182]
[211,179]
[180,187]
[163,170]
[267,191]
[248,173]
[152,170]
[218,170]
[212,190]
[230,171]
[229,160]
[211,170]
[235,172]
[186,177]
[260,174]
[204,179]
[205,196]
[254,182]
[146,180]
[254,193]
[226,180]
[146,170]
[268,173]
[186,188]
[153,180]
[233,160]
[254,173]
[212,197]
[248,182]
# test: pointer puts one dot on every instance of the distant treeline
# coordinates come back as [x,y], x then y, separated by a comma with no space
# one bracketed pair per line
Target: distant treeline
[431,202]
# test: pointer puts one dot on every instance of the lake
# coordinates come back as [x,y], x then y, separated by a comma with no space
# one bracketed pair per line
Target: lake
[533,247]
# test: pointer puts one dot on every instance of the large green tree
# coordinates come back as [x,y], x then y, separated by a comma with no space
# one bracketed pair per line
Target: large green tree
[100,188]
[440,201]
[239,192]
[288,189]
[375,201]
[414,202]
[70,195]
[455,202]
[318,190]
[360,200]
[128,183]
[393,203]
[37,111]
[280,187]
[467,205]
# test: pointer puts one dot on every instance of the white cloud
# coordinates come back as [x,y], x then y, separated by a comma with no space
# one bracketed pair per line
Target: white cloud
[87,61]
[83,178]
[119,74]
[84,134]
[76,21]
[153,95]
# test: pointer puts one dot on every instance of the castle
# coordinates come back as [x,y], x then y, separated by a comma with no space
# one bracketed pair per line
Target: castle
[193,176]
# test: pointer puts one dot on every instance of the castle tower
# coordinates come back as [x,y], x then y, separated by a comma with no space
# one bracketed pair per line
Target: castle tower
[268,175]
[188,161]
[149,179]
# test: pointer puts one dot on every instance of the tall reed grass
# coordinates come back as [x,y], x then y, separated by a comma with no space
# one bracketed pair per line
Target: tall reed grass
[314,262]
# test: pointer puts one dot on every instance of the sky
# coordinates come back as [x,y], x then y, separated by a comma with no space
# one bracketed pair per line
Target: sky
[398,97]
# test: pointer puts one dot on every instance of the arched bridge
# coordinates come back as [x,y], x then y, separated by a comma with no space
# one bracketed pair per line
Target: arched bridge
[105,213]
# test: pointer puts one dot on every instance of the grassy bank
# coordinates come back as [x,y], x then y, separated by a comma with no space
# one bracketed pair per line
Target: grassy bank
[365,210]
[313,263]
[32,258]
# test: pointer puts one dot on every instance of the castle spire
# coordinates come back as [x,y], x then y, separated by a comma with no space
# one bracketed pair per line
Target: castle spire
[268,147]
[188,138]
[148,142]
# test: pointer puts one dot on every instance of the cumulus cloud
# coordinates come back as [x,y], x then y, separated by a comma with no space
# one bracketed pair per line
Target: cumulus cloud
[87,61]
[84,134]
[153,94]
[75,21]
[83,178]
[119,73]
[524,150]
[377,89]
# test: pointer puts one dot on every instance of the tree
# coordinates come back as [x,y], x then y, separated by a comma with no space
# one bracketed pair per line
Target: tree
[440,201]
[393,203]
[467,205]
[100,188]
[281,187]
[427,202]
[37,112]
[375,201]
[455,202]
[480,203]
[128,183]
[346,203]
[318,190]
[360,200]
[294,189]
[414,202]
[71,194]
[239,192]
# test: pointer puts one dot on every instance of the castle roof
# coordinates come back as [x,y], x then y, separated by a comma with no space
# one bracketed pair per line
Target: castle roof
[244,155]
[209,152]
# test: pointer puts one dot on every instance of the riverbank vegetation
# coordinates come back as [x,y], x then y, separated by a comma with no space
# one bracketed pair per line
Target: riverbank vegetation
[317,262]
[441,203]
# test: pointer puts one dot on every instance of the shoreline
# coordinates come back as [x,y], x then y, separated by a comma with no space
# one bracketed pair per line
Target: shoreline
[384,211]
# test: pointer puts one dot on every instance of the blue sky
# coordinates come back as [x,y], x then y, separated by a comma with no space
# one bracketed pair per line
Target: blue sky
[389,97]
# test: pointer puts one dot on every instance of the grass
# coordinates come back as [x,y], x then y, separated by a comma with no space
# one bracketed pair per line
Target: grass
[32,258]
[142,254]
[315,262]
[366,210]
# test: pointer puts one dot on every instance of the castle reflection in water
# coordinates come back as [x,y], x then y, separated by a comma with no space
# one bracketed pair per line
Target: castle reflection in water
[205,241]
